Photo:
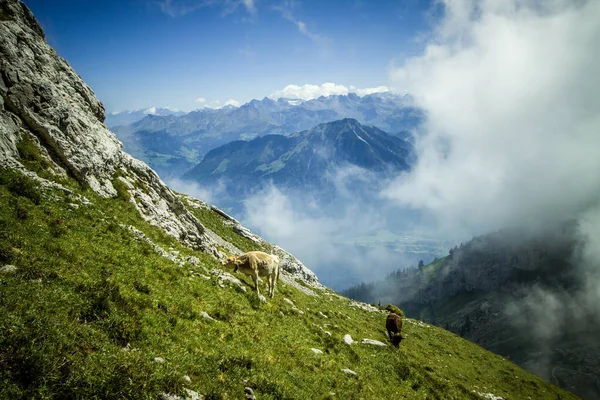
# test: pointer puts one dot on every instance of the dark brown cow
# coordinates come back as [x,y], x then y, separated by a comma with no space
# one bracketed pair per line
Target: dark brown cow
[393,324]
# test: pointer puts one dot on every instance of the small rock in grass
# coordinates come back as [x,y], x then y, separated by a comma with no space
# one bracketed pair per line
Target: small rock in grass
[159,360]
[262,298]
[205,315]
[349,372]
[249,394]
[191,395]
[348,339]
[193,260]
[291,303]
[8,269]
[323,315]
[317,351]
[373,342]
[187,379]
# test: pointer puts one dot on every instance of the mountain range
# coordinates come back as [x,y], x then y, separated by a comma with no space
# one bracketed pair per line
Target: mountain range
[174,144]
[306,160]
[128,117]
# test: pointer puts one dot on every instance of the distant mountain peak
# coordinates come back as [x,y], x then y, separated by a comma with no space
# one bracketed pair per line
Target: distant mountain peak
[351,122]
[342,126]
[128,117]
[304,159]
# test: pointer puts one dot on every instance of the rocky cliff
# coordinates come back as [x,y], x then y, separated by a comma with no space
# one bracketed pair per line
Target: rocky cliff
[44,101]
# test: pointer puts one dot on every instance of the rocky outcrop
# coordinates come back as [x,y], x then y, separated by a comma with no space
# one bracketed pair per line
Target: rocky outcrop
[46,97]
[294,268]
[44,100]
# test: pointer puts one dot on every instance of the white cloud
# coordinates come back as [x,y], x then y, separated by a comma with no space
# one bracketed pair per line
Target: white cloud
[366,91]
[200,100]
[286,8]
[204,193]
[308,91]
[216,104]
[511,93]
[232,102]
[179,8]
[150,110]
[311,35]
[250,6]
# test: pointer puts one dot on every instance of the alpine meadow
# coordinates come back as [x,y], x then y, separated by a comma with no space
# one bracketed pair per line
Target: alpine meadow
[299,199]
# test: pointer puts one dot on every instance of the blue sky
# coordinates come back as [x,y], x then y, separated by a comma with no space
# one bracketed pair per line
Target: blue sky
[140,53]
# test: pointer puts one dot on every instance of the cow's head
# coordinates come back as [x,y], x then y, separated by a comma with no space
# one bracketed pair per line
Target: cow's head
[397,338]
[229,261]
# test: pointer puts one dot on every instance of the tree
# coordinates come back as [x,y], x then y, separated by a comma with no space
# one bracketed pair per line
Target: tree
[466,326]
[421,264]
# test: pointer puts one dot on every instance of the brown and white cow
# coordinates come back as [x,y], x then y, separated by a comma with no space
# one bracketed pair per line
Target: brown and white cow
[255,264]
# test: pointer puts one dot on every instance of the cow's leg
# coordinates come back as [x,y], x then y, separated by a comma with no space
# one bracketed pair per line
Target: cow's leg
[255,276]
[273,284]
[390,335]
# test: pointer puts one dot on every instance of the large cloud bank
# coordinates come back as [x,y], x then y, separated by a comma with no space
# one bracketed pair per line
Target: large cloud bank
[511,92]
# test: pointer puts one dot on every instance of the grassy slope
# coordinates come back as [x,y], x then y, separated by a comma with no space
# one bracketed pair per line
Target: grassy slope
[431,270]
[90,307]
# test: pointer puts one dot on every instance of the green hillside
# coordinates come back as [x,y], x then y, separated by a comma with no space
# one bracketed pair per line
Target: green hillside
[92,311]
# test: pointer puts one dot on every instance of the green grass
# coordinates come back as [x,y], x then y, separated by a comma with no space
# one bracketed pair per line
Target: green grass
[90,307]
[31,156]
[430,270]
[215,222]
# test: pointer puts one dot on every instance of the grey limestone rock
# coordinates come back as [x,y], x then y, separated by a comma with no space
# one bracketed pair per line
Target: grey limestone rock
[373,342]
[43,98]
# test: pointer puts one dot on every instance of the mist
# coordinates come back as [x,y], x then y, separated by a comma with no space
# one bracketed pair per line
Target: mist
[209,194]
[510,89]
[347,232]
[330,242]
